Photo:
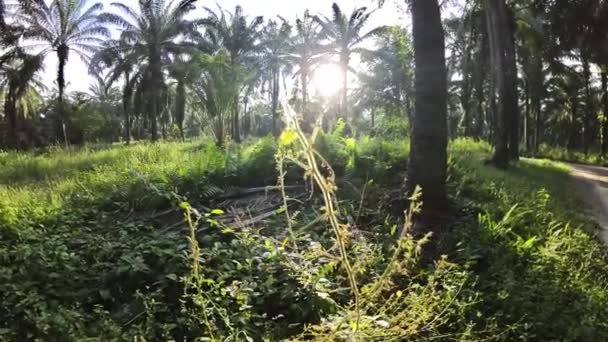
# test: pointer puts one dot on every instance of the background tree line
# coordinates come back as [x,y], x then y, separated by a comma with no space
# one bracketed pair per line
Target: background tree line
[169,76]
[519,73]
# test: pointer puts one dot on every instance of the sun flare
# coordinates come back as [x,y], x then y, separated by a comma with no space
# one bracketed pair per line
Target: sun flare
[327,80]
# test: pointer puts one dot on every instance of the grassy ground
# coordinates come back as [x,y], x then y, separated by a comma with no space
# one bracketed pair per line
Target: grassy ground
[537,265]
[85,254]
[565,155]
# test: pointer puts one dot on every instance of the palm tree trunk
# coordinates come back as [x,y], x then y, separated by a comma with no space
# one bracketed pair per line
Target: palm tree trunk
[62,56]
[527,116]
[536,91]
[157,85]
[236,124]
[246,117]
[236,131]
[308,120]
[511,102]
[344,109]
[572,136]
[10,111]
[304,80]
[587,124]
[219,131]
[465,98]
[501,79]
[126,102]
[180,107]
[538,131]
[480,117]
[604,76]
[465,101]
[274,102]
[373,114]
[153,119]
[410,112]
[478,86]
[163,125]
[428,151]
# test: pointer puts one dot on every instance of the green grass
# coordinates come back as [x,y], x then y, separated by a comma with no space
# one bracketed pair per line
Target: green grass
[82,254]
[565,155]
[538,265]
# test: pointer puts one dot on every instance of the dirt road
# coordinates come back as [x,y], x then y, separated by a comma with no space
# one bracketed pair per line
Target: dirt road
[592,182]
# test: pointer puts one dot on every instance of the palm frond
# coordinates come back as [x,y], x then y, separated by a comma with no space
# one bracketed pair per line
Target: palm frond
[373,33]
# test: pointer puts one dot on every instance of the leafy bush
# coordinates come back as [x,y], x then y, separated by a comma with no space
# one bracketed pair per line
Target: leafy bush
[566,155]
[379,159]
[258,160]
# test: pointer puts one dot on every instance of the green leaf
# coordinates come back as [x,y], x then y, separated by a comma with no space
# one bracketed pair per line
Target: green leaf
[217,212]
[288,137]
[529,243]
[269,245]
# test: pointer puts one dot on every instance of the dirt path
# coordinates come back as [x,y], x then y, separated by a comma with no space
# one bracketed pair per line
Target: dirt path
[592,184]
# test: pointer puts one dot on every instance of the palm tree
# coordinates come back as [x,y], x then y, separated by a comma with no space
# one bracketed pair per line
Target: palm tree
[345,34]
[185,71]
[531,52]
[276,44]
[101,89]
[504,82]
[18,77]
[388,81]
[216,90]
[114,56]
[149,37]
[567,87]
[241,38]
[305,55]
[428,151]
[63,26]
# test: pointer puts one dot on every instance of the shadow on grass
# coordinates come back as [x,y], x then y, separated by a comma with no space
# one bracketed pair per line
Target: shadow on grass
[534,271]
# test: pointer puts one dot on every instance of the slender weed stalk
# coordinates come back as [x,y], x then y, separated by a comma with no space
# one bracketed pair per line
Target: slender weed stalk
[327,185]
[296,147]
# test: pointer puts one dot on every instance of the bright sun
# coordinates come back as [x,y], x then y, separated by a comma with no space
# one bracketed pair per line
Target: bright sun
[327,80]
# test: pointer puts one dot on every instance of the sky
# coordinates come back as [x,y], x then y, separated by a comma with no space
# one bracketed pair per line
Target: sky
[390,14]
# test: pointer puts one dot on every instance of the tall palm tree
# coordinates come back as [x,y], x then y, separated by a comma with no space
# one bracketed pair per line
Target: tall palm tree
[241,38]
[150,36]
[504,80]
[63,26]
[276,44]
[345,34]
[428,150]
[305,54]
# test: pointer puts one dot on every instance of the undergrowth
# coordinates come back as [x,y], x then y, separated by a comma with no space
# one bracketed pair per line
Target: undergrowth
[567,155]
[124,243]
